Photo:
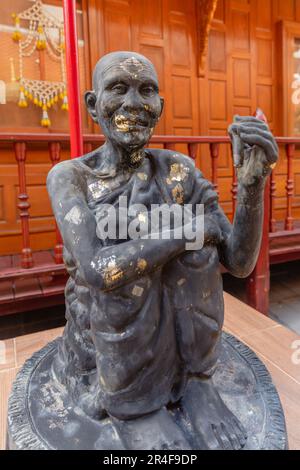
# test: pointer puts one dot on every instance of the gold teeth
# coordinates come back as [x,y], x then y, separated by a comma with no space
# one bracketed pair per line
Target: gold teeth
[122,123]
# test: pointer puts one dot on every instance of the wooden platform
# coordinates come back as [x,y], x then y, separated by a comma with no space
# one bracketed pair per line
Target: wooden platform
[284,245]
[41,286]
[271,342]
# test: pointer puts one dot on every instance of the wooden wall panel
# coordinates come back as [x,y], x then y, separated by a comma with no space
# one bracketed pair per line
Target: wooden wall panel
[218,101]
[240,30]
[117,25]
[264,57]
[179,41]
[40,207]
[181,71]
[150,19]
[285,9]
[265,100]
[217,47]
[182,108]
[264,16]
[242,110]
[241,69]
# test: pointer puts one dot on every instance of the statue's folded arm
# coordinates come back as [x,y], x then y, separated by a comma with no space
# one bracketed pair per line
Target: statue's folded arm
[103,267]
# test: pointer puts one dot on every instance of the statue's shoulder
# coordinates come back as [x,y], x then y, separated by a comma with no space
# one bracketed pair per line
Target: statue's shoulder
[171,161]
[64,173]
[60,168]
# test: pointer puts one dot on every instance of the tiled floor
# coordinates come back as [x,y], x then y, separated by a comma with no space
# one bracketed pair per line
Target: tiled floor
[284,293]
[271,341]
[13,353]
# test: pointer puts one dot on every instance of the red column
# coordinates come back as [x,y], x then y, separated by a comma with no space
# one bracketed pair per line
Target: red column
[272,227]
[234,190]
[73,77]
[258,283]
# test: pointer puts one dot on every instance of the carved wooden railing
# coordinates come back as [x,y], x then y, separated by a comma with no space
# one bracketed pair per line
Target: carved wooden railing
[259,280]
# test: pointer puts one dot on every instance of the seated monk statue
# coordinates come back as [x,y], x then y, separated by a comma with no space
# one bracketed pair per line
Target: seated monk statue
[145,315]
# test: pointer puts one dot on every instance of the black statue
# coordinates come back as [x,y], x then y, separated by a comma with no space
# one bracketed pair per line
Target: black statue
[144,316]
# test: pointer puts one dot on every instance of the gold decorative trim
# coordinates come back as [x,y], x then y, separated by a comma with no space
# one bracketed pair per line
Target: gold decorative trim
[205,13]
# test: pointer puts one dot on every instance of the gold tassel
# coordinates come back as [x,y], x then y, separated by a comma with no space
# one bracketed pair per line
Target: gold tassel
[22,101]
[17,35]
[41,42]
[45,122]
[65,106]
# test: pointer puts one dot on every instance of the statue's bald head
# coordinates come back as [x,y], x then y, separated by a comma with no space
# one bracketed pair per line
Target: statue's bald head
[125,99]
[131,62]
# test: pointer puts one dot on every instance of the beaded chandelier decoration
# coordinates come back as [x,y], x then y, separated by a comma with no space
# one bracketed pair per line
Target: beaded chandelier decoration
[41,92]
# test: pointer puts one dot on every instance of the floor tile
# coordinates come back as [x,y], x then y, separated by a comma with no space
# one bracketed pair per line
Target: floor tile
[7,354]
[287,313]
[27,345]
[280,292]
[289,392]
[276,345]
[243,320]
[6,380]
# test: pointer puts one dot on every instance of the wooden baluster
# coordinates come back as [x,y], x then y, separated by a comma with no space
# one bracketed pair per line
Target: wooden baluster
[54,152]
[87,147]
[192,150]
[289,221]
[214,154]
[272,227]
[169,146]
[23,205]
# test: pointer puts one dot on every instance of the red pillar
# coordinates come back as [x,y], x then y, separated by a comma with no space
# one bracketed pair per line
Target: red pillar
[258,283]
[73,78]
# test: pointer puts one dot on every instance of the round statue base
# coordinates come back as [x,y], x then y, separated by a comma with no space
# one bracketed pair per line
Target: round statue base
[42,416]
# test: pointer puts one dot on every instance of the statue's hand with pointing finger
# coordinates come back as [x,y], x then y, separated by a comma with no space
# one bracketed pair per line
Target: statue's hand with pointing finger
[255,151]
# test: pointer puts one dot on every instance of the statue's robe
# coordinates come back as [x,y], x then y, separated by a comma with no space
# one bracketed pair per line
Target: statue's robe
[137,344]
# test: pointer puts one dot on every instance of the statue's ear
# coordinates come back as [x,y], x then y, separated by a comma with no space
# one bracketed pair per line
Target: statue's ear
[162,103]
[90,99]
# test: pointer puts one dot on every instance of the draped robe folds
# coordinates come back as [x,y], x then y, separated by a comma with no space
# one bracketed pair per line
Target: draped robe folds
[136,345]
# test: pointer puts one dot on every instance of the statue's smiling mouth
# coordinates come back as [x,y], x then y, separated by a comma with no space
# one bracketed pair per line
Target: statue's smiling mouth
[129,124]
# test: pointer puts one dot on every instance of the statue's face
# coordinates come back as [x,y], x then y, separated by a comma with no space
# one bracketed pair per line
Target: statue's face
[127,103]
